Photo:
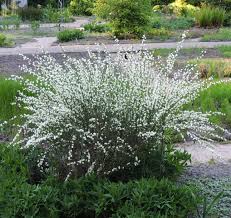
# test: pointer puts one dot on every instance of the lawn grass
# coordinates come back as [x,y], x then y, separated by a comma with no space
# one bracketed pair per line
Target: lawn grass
[217,99]
[8,93]
[223,34]
[225,51]
[164,52]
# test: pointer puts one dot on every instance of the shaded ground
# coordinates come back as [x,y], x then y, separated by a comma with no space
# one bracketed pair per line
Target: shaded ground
[9,64]
[213,171]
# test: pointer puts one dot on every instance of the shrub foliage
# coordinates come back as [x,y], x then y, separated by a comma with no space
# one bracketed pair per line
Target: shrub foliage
[126,16]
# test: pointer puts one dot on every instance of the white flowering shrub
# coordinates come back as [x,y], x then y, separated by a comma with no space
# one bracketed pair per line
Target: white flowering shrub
[103,113]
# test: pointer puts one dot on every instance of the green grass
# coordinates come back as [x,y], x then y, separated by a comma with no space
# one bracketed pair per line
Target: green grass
[8,93]
[225,51]
[164,52]
[217,99]
[223,34]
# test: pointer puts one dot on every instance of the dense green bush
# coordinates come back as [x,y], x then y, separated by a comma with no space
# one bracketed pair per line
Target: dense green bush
[209,16]
[70,34]
[81,7]
[30,13]
[126,16]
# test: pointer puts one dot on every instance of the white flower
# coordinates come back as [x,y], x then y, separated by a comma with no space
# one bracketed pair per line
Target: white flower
[95,114]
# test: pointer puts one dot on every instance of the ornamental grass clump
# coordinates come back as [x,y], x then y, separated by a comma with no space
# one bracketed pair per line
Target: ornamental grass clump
[108,113]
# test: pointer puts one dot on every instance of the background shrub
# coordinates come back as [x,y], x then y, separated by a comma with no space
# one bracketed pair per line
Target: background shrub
[81,7]
[227,20]
[172,23]
[6,22]
[225,4]
[126,16]
[30,13]
[70,34]
[44,3]
[54,15]
[161,2]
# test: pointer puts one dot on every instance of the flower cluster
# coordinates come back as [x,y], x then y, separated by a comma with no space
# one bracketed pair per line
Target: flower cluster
[100,114]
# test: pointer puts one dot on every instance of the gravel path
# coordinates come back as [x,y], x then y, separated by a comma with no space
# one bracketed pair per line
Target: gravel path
[45,43]
[208,161]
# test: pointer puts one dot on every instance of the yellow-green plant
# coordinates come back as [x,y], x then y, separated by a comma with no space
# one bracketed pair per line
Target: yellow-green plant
[181,7]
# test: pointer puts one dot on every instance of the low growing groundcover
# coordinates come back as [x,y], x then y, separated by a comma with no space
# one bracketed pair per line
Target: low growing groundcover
[21,196]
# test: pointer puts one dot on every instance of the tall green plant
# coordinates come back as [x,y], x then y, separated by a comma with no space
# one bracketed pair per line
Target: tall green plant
[209,16]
